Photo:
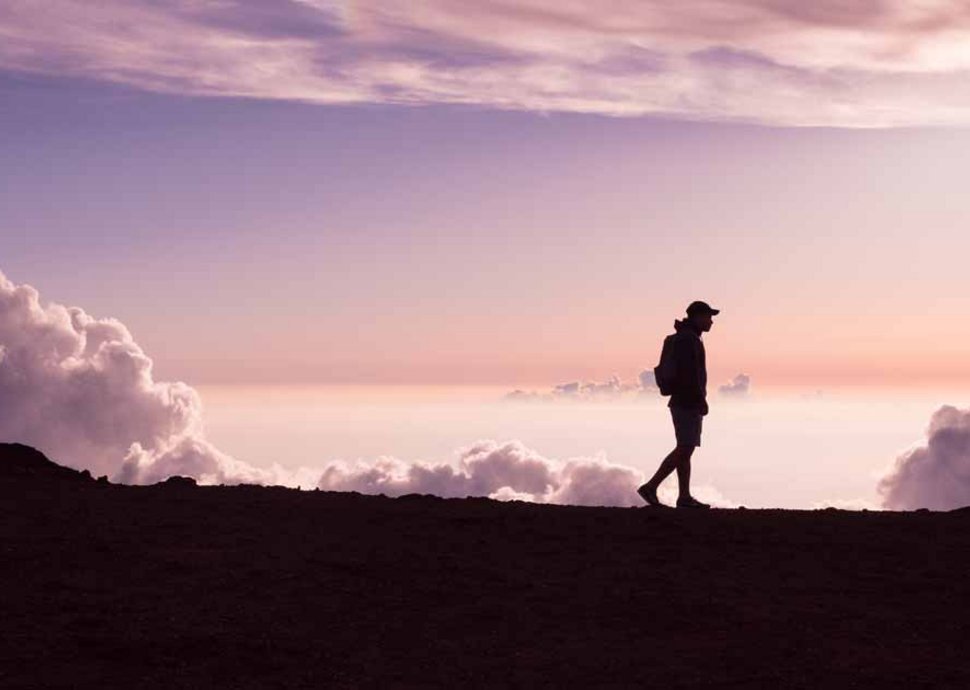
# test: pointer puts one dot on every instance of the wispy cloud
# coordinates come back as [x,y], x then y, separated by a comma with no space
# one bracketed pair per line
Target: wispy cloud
[611,389]
[858,63]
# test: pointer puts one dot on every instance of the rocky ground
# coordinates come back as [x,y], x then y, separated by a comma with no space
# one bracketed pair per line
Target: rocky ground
[179,586]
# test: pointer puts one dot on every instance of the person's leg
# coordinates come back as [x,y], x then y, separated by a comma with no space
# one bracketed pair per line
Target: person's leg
[683,470]
[669,464]
[686,430]
[691,428]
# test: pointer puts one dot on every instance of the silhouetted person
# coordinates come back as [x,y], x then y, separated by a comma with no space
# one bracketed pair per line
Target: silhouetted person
[682,373]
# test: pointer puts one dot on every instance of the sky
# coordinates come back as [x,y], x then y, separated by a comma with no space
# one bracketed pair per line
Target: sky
[212,200]
[519,193]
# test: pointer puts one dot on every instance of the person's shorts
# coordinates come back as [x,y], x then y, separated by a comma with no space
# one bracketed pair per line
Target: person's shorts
[687,426]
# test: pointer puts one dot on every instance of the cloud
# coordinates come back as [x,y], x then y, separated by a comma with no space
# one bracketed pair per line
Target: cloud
[935,475]
[499,470]
[503,471]
[647,380]
[853,63]
[81,390]
[615,389]
[737,387]
[611,389]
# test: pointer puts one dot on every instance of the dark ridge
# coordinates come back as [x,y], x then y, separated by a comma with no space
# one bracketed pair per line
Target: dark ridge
[174,586]
[18,461]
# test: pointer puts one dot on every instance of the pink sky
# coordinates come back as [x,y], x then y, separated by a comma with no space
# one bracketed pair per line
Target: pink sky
[509,194]
[520,193]
[835,62]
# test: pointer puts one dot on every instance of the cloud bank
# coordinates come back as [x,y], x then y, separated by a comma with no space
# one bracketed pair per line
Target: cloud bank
[81,390]
[935,475]
[504,471]
[611,389]
[856,63]
[616,389]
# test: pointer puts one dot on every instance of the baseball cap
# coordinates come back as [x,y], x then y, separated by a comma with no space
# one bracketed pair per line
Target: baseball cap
[701,308]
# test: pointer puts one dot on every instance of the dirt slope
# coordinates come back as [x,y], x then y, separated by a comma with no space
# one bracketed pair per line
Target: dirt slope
[177,586]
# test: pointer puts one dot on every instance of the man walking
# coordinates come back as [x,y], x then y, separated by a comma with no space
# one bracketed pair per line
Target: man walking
[688,402]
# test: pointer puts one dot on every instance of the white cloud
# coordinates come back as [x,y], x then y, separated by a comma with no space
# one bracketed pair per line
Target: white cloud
[503,471]
[785,62]
[737,387]
[81,390]
[935,475]
[611,389]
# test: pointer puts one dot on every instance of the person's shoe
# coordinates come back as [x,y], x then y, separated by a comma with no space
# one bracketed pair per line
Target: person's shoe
[690,502]
[650,496]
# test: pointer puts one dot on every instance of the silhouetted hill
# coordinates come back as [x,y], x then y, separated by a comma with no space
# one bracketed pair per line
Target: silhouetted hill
[178,586]
[22,462]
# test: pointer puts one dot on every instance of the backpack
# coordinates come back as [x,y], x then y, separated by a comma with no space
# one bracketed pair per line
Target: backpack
[665,373]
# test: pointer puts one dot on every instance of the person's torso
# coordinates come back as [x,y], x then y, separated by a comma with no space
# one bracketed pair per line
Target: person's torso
[685,391]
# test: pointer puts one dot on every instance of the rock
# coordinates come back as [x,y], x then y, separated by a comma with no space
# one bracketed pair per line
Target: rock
[21,462]
[421,497]
[179,481]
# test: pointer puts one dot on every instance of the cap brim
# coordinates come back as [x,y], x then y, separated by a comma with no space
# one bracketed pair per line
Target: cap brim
[714,312]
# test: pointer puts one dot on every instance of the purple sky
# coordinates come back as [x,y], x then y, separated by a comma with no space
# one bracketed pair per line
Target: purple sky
[517,194]
[410,238]
[856,63]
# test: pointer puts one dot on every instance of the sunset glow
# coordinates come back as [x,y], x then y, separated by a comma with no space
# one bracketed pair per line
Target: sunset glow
[445,198]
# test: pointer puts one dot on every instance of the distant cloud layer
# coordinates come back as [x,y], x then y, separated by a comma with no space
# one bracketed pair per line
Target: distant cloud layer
[935,475]
[615,389]
[611,389]
[81,390]
[854,63]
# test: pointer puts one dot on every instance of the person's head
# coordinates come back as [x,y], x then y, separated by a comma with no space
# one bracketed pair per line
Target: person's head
[701,314]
